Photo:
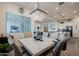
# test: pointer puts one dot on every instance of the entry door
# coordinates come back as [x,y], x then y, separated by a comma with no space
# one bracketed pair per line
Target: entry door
[45,28]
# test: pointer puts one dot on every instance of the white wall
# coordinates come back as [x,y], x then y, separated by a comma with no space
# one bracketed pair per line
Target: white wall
[61,26]
[7,7]
[75,25]
[2,20]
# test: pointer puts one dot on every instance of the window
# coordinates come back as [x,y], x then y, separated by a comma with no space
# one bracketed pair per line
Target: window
[17,23]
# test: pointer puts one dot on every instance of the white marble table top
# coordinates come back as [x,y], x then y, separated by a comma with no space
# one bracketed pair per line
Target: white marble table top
[35,47]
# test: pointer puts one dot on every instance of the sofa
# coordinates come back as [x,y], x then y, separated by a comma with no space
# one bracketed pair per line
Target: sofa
[19,36]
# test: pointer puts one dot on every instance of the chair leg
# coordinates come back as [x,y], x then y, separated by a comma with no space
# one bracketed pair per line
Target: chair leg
[65,46]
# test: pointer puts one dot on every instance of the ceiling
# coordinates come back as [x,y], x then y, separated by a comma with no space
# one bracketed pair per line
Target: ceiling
[67,10]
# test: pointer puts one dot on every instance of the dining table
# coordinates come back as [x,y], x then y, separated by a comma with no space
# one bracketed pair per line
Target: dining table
[36,47]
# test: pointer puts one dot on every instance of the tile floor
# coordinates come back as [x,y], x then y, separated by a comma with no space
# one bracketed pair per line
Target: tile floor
[72,48]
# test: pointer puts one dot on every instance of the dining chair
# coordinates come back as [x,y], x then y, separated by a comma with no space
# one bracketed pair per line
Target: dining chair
[56,40]
[58,37]
[64,45]
[10,39]
[58,48]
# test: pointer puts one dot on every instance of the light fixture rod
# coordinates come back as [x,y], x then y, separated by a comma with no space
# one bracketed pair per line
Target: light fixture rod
[38,4]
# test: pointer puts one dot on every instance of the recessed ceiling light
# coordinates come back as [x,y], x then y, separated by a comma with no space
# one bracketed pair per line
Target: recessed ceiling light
[74,11]
[63,14]
[57,8]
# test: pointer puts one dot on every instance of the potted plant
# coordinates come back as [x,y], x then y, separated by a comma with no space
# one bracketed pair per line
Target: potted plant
[5,48]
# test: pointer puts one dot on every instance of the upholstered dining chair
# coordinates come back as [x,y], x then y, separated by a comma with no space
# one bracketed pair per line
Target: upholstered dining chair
[58,48]
[56,40]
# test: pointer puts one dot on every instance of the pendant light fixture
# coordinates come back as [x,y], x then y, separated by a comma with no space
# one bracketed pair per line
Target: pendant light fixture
[60,11]
[38,14]
[38,9]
